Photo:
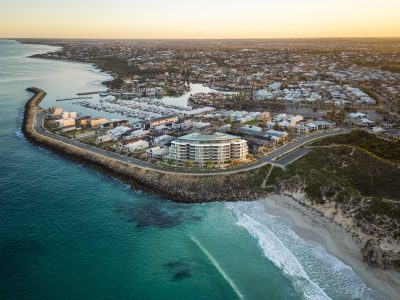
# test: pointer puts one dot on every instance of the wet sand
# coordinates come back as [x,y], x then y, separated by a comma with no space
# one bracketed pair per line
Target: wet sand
[340,243]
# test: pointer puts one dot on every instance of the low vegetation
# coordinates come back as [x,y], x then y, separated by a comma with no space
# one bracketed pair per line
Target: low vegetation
[348,174]
[382,148]
[50,125]
[116,65]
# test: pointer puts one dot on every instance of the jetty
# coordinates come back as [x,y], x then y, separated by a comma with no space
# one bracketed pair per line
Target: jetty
[75,98]
[91,93]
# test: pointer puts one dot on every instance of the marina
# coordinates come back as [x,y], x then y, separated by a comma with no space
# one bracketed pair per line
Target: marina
[146,108]
[76,98]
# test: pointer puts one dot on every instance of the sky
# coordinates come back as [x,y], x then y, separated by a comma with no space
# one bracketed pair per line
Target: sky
[197,19]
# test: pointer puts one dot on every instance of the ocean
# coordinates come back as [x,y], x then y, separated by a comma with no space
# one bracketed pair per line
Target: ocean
[69,232]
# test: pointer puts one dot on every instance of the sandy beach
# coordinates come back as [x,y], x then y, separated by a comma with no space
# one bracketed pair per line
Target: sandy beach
[311,225]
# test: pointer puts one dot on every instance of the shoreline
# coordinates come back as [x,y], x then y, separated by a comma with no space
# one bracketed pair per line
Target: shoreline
[172,186]
[339,242]
[307,222]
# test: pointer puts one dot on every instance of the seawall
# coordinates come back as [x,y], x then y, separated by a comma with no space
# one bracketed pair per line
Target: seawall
[175,187]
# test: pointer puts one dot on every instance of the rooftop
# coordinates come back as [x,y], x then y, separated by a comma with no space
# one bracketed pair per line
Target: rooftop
[218,136]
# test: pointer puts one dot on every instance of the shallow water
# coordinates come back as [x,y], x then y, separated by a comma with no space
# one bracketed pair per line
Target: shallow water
[68,232]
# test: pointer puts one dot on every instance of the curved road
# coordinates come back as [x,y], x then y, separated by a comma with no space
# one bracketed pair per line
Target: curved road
[268,159]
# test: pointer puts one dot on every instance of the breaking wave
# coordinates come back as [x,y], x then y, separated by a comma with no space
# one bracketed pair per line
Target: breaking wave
[18,133]
[218,267]
[314,273]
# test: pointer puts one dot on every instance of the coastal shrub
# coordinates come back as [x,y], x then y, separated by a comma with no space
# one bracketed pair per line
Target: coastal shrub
[389,150]
[396,234]
[396,263]
[260,175]
[275,173]
[313,190]
[342,175]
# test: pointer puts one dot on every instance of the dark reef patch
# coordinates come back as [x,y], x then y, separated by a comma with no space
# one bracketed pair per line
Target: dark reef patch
[14,252]
[181,274]
[179,270]
[157,214]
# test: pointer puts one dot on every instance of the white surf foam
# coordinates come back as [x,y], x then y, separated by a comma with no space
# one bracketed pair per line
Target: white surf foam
[314,273]
[218,267]
[18,133]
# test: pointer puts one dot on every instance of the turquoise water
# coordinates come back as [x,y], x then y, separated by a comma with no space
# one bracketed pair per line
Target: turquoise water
[68,232]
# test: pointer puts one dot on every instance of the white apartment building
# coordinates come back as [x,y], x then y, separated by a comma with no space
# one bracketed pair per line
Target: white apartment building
[201,150]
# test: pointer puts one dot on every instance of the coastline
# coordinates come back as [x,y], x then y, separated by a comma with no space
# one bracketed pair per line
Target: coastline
[40,56]
[311,225]
[96,66]
[334,238]
[307,222]
[176,187]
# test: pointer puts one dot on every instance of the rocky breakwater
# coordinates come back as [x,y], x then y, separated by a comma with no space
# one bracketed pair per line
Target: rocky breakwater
[183,188]
[31,109]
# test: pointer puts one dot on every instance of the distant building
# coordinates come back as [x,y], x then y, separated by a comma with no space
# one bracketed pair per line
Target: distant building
[157,152]
[136,146]
[359,119]
[185,125]
[263,94]
[357,115]
[275,86]
[115,123]
[162,140]
[288,121]
[96,122]
[82,121]
[312,127]
[69,115]
[137,134]
[118,132]
[201,125]
[276,136]
[168,120]
[302,128]
[251,130]
[217,149]
[323,125]
[65,122]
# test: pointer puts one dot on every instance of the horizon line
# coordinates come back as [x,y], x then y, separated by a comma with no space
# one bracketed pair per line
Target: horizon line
[204,39]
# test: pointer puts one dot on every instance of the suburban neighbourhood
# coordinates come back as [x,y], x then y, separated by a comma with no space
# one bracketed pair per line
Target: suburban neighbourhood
[214,107]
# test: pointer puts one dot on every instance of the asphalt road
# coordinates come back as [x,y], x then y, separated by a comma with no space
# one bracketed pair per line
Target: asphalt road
[269,158]
[292,156]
